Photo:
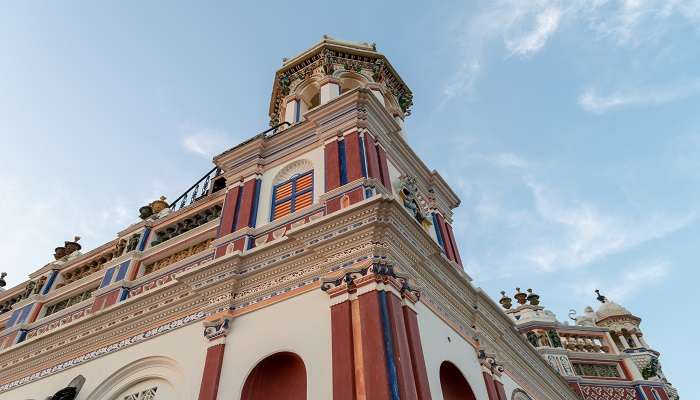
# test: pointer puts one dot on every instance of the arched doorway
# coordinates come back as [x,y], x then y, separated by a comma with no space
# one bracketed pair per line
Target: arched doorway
[279,376]
[454,385]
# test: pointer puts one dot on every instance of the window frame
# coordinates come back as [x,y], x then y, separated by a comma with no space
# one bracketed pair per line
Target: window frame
[292,197]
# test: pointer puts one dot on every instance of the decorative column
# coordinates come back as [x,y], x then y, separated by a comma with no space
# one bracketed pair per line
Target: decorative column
[623,340]
[500,389]
[644,342]
[216,328]
[330,89]
[488,363]
[375,338]
[635,340]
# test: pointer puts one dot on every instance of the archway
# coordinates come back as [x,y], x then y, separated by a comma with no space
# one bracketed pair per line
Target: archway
[150,378]
[279,376]
[454,385]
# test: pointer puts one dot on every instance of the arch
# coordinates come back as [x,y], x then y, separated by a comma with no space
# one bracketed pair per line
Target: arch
[454,385]
[144,374]
[519,394]
[294,168]
[310,95]
[279,376]
[350,80]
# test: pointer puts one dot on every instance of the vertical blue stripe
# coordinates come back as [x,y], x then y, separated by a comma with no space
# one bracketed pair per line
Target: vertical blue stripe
[363,162]
[49,282]
[122,270]
[25,313]
[256,200]
[341,160]
[368,193]
[107,278]
[297,111]
[144,238]
[441,241]
[389,347]
[238,208]
[124,294]
[22,336]
[13,318]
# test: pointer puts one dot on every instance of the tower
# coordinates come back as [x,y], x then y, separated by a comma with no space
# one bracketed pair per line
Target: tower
[315,260]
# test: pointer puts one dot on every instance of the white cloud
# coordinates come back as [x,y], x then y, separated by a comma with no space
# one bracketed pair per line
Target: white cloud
[591,101]
[546,23]
[624,286]
[206,143]
[584,234]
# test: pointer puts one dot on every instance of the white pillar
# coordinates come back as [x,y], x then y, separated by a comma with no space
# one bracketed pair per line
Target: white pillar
[378,94]
[291,112]
[623,340]
[329,91]
[635,339]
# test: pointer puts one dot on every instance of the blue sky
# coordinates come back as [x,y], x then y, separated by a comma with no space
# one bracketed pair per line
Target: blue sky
[570,130]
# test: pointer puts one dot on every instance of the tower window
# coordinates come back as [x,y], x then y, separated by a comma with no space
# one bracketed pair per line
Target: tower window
[292,195]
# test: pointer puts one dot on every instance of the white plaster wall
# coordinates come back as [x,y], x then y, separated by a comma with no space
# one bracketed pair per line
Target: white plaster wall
[301,325]
[394,175]
[436,349]
[509,386]
[316,157]
[186,346]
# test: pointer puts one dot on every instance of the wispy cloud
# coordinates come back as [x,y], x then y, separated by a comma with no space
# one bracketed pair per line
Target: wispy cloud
[624,286]
[206,142]
[585,234]
[524,28]
[546,23]
[590,100]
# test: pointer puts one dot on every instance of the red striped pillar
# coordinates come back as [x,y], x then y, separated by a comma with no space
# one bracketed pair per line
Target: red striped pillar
[245,209]
[375,340]
[372,157]
[442,225]
[331,164]
[383,167]
[500,389]
[228,214]
[489,368]
[353,156]
[455,250]
[216,328]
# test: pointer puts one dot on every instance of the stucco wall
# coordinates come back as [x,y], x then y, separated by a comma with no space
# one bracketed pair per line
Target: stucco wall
[177,356]
[300,325]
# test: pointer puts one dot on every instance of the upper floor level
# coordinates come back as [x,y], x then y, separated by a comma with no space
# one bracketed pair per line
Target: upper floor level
[348,148]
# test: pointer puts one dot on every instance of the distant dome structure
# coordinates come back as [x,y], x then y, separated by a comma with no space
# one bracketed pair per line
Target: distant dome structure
[611,309]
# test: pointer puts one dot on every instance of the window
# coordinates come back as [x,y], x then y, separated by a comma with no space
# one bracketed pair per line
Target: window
[65,303]
[597,370]
[292,195]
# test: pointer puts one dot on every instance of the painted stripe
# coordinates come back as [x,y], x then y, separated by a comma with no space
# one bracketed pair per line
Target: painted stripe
[436,225]
[388,346]
[49,282]
[342,163]
[123,268]
[107,278]
[256,201]
[144,238]
[363,156]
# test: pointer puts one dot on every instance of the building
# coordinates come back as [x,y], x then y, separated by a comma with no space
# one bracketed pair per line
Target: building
[316,260]
[603,355]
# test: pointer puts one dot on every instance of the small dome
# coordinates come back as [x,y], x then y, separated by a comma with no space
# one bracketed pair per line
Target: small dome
[611,309]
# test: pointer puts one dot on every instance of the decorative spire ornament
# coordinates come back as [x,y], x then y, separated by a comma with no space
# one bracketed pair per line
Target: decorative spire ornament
[533,298]
[520,296]
[506,302]
[600,297]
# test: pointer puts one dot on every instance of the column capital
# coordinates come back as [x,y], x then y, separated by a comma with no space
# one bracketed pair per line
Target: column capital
[217,327]
[368,277]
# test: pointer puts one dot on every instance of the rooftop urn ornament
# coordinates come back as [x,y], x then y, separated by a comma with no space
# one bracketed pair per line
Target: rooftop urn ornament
[520,296]
[73,246]
[506,302]
[2,279]
[145,212]
[600,297]
[159,205]
[533,298]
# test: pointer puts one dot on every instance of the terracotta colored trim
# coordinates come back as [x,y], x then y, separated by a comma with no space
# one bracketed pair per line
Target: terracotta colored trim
[209,388]
[383,168]
[402,353]
[490,386]
[455,249]
[352,156]
[343,349]
[360,389]
[35,313]
[372,157]
[229,212]
[246,208]
[331,165]
[420,373]
[500,390]
[374,363]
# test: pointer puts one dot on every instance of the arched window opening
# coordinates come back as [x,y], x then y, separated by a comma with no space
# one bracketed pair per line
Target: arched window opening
[279,376]
[348,84]
[310,97]
[454,385]
[518,394]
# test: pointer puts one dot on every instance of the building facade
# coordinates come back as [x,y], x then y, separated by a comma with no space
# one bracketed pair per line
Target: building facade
[316,260]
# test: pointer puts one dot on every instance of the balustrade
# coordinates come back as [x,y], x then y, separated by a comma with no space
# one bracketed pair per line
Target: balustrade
[180,255]
[186,224]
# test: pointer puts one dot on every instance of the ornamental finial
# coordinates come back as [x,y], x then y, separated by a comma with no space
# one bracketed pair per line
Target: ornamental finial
[600,297]
[2,279]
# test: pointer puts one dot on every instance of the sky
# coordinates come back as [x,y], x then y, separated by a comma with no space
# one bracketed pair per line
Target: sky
[569,129]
